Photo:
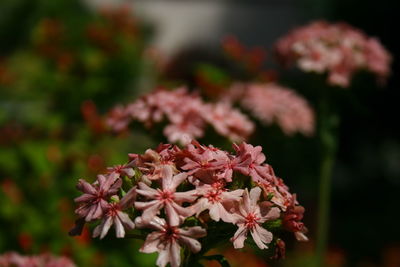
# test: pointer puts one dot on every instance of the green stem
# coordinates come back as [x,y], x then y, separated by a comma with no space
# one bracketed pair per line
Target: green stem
[324,208]
[327,135]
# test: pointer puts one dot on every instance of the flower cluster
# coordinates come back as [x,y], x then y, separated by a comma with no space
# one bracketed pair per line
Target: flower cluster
[271,103]
[337,49]
[13,259]
[191,197]
[186,114]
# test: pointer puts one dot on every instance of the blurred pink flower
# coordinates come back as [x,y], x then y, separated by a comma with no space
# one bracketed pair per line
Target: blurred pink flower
[337,48]
[228,121]
[93,202]
[13,259]
[273,103]
[186,116]
[249,216]
[166,197]
[118,119]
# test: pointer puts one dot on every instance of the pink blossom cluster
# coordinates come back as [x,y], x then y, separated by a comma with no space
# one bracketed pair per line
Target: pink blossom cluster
[273,103]
[334,48]
[187,116]
[13,259]
[192,197]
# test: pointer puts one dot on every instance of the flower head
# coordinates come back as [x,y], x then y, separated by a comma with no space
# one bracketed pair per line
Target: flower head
[186,115]
[114,215]
[165,197]
[249,218]
[337,49]
[93,202]
[167,240]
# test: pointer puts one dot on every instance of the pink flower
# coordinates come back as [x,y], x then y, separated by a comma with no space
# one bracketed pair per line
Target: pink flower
[186,116]
[228,121]
[118,119]
[250,161]
[337,49]
[214,199]
[249,216]
[115,215]
[207,164]
[125,170]
[93,202]
[166,197]
[274,103]
[183,133]
[167,240]
[42,260]
[292,220]
[151,164]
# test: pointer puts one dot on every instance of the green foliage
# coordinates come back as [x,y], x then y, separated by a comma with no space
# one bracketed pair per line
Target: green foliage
[62,66]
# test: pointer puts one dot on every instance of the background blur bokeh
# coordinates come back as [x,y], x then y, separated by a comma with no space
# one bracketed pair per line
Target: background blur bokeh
[65,63]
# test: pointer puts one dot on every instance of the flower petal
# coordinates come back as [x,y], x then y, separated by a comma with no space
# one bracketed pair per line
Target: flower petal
[192,244]
[239,237]
[151,243]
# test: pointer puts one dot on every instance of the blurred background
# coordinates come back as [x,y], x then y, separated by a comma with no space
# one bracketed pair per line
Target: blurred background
[65,63]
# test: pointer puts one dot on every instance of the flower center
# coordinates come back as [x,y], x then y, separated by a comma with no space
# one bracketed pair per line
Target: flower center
[171,232]
[251,220]
[214,196]
[166,196]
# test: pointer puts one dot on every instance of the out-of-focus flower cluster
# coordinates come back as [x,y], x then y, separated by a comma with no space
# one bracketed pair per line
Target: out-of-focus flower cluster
[13,259]
[271,103]
[191,197]
[337,49]
[187,116]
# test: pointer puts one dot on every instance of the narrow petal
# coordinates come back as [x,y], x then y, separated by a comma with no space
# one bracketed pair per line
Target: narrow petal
[177,180]
[119,228]
[109,181]
[188,196]
[274,213]
[147,191]
[166,177]
[246,202]
[145,205]
[255,195]
[172,215]
[195,232]
[183,211]
[151,212]
[126,221]
[156,223]
[233,195]
[239,237]
[105,227]
[201,205]
[163,258]
[264,234]
[84,198]
[151,243]
[129,199]
[225,216]
[214,212]
[175,254]
[192,244]
[85,187]
[257,239]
